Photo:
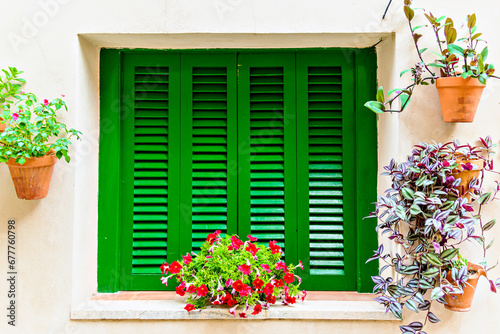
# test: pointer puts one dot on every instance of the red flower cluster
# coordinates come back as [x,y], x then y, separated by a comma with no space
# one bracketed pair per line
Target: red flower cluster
[274,247]
[252,249]
[235,243]
[189,307]
[175,267]
[245,269]
[202,290]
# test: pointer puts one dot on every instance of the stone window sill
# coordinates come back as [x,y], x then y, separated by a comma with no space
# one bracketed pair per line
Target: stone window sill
[167,306]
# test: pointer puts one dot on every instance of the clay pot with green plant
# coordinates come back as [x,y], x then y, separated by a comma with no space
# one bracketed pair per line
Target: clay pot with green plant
[33,143]
[429,218]
[460,71]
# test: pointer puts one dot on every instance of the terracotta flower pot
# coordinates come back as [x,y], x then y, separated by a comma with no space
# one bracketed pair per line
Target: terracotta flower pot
[32,179]
[463,302]
[466,176]
[459,98]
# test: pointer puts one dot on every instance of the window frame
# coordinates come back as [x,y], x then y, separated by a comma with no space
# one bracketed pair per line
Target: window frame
[109,177]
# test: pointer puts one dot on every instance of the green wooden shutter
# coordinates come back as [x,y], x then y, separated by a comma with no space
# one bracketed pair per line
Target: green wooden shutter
[208,139]
[149,167]
[326,165]
[267,150]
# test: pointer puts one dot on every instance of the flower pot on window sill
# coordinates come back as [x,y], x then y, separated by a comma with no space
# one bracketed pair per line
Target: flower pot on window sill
[32,179]
[466,176]
[459,98]
[2,125]
[463,302]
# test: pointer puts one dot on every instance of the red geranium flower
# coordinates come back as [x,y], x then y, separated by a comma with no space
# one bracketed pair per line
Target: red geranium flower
[290,300]
[164,268]
[191,288]
[231,302]
[245,269]
[180,291]
[252,249]
[278,283]
[251,238]
[238,285]
[242,315]
[175,267]
[268,289]
[45,102]
[289,278]
[271,299]
[258,283]
[202,290]
[274,247]
[187,259]
[257,309]
[189,307]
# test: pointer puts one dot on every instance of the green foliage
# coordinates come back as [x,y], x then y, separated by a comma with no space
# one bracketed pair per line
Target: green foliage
[33,128]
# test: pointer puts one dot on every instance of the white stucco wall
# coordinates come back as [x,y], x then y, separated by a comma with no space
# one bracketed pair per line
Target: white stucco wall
[56,43]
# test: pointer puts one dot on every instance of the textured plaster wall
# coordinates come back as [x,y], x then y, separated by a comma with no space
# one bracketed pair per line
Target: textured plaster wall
[56,237]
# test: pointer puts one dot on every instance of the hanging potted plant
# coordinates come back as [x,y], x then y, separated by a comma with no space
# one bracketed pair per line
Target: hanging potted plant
[31,145]
[460,71]
[10,86]
[428,215]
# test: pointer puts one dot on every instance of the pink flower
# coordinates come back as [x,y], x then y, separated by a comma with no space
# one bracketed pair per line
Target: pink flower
[252,249]
[245,290]
[266,267]
[245,269]
[304,294]
[15,116]
[446,164]
[164,280]
[236,243]
[189,307]
[22,92]
[187,259]
[301,266]
[281,266]
[63,95]
[164,268]
[45,102]
[229,282]
[232,310]
[251,238]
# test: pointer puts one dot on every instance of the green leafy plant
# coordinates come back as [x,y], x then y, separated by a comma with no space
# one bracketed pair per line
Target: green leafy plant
[236,273]
[10,85]
[427,216]
[33,129]
[463,57]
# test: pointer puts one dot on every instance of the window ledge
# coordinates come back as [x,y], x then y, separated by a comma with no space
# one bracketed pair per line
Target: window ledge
[106,307]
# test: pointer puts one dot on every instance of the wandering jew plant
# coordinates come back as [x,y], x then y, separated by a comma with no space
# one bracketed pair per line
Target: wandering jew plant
[427,214]
[239,274]
[463,57]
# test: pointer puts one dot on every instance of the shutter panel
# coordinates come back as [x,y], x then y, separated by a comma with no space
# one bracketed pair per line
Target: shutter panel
[150,153]
[325,169]
[267,149]
[208,139]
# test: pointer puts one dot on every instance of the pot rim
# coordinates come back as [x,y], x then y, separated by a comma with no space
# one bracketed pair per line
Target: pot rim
[448,82]
[47,160]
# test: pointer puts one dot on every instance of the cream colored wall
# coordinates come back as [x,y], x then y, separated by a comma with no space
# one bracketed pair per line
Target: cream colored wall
[56,237]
